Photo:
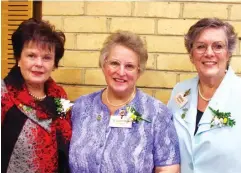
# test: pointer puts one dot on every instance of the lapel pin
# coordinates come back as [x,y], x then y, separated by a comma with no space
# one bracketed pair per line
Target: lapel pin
[98,117]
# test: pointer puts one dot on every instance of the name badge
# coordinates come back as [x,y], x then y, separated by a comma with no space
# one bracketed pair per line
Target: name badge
[181,100]
[120,121]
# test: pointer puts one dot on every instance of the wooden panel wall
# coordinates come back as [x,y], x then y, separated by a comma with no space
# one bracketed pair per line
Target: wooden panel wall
[13,13]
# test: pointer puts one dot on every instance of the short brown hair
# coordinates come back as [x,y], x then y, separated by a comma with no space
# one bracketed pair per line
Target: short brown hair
[40,32]
[205,23]
[129,40]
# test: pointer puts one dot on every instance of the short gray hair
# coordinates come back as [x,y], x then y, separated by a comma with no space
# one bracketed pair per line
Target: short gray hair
[205,23]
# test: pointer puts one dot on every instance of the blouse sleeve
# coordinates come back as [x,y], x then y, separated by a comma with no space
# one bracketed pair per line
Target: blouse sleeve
[166,146]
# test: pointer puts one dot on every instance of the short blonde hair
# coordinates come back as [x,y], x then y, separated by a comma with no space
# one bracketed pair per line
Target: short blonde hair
[129,40]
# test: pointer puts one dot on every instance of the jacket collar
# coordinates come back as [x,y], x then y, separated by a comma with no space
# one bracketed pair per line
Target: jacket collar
[23,98]
[191,106]
[219,101]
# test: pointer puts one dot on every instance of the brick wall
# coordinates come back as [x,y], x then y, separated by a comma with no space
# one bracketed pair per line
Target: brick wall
[161,24]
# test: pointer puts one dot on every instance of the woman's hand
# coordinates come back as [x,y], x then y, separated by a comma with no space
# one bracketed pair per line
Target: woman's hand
[168,169]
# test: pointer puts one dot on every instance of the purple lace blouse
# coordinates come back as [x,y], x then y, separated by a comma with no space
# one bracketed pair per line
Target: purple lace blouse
[95,147]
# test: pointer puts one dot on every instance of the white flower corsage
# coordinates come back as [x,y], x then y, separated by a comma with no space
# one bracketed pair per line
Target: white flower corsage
[221,118]
[63,106]
[134,116]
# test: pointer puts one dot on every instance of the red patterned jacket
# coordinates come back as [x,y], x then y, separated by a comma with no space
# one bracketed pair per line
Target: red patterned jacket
[34,137]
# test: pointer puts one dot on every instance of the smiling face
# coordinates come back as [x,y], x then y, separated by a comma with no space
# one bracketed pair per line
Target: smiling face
[121,70]
[213,61]
[36,63]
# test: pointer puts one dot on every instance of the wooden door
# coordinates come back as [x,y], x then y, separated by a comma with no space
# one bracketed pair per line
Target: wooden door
[13,13]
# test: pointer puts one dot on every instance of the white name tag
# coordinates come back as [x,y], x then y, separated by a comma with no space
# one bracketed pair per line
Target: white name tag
[181,100]
[120,121]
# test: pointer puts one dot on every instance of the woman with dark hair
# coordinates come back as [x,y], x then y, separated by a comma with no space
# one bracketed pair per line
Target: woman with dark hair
[207,108]
[35,127]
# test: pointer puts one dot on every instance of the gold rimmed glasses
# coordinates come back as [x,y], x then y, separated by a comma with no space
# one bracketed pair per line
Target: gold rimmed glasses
[217,47]
[116,64]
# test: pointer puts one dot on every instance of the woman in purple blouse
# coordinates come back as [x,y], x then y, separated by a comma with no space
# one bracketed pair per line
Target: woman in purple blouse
[120,129]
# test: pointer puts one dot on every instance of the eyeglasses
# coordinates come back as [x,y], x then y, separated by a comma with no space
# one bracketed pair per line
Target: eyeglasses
[217,47]
[116,64]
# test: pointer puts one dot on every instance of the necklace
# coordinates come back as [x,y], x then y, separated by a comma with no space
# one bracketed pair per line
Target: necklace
[118,105]
[37,98]
[199,92]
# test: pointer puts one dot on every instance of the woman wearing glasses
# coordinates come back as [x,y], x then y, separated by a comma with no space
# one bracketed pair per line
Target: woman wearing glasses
[120,128]
[207,108]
